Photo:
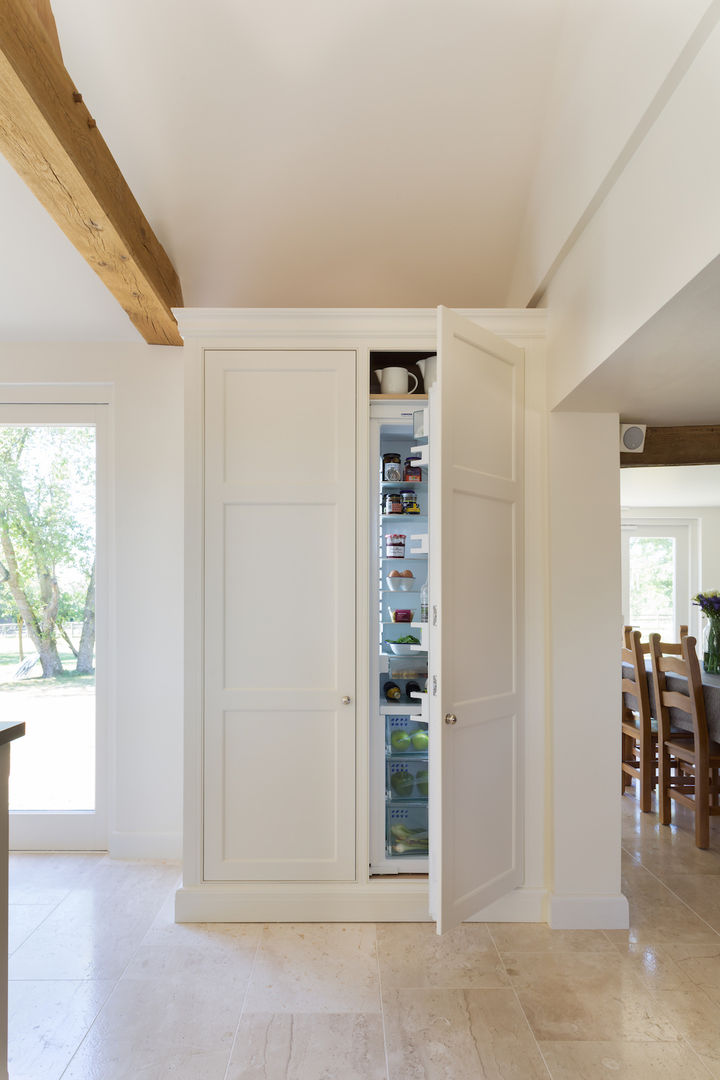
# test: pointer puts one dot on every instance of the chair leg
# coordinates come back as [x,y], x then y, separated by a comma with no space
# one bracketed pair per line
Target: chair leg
[663,782]
[647,771]
[702,807]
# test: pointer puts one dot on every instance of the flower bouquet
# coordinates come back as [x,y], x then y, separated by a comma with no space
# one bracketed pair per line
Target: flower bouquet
[709,604]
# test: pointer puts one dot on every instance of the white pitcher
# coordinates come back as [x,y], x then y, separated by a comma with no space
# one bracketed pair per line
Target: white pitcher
[428,370]
[394,380]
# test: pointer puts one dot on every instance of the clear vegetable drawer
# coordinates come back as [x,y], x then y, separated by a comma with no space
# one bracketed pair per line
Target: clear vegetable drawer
[407,778]
[407,829]
[406,735]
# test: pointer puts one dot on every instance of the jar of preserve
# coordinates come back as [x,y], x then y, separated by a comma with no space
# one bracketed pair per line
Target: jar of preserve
[412,472]
[395,546]
[392,467]
[393,502]
[410,503]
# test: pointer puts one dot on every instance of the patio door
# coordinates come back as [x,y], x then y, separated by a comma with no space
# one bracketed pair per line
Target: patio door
[659,575]
[53,625]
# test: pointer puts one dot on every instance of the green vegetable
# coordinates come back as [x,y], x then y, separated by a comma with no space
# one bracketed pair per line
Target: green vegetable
[409,639]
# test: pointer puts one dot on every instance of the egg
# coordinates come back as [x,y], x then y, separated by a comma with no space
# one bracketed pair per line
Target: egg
[407,573]
[395,573]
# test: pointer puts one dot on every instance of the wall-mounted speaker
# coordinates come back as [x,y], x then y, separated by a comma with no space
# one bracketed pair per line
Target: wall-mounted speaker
[632,438]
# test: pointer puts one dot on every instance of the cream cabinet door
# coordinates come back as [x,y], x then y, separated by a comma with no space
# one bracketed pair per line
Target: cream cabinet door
[279,737]
[475,534]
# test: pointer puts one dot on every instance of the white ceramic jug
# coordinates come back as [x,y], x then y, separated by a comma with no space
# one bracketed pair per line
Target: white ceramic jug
[394,380]
[428,370]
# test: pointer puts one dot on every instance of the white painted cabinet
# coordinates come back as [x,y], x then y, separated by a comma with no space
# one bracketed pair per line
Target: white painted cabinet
[277,764]
[279,719]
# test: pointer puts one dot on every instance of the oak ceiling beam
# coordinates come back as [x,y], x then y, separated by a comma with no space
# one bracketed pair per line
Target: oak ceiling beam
[49,137]
[691,445]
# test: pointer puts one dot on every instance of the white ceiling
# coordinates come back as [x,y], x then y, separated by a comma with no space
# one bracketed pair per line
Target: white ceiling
[682,485]
[361,153]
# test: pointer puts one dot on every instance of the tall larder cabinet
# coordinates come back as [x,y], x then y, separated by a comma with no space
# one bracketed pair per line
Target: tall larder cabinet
[282,672]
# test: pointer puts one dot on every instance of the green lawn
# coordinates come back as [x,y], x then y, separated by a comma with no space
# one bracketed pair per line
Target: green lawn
[35,683]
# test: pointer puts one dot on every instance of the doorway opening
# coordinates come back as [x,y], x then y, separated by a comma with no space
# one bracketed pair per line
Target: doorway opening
[50,567]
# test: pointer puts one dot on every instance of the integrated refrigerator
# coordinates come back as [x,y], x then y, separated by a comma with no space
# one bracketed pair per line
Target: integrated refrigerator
[399,738]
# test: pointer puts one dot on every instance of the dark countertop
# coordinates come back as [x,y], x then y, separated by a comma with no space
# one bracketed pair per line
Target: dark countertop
[10,731]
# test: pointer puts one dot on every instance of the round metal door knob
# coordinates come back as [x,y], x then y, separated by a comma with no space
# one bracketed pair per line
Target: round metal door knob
[345,700]
[450,718]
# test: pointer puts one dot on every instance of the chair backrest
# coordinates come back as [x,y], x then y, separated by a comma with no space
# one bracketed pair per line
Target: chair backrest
[671,647]
[637,687]
[689,698]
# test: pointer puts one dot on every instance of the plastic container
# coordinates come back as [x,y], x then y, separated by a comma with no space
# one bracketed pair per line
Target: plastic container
[399,731]
[406,778]
[406,829]
[400,614]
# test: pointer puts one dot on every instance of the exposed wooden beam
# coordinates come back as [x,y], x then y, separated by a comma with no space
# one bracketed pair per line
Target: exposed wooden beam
[50,138]
[677,446]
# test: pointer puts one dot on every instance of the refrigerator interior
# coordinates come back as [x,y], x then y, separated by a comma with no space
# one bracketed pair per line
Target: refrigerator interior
[398,716]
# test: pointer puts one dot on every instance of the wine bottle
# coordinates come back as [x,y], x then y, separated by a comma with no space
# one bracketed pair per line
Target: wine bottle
[392,691]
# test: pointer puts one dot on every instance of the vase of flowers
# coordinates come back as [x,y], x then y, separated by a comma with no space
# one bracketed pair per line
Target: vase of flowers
[709,604]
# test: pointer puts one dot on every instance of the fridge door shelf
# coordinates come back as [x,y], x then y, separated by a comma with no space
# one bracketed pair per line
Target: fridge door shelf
[420,630]
[406,778]
[421,540]
[423,451]
[407,829]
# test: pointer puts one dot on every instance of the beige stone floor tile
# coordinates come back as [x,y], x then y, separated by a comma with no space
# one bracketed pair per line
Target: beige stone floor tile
[414,955]
[47,1021]
[656,913]
[699,964]
[459,1035]
[315,968]
[656,965]
[152,1029]
[697,1018]
[701,892]
[597,1002]
[303,1046]
[622,1060]
[23,920]
[538,937]
[48,878]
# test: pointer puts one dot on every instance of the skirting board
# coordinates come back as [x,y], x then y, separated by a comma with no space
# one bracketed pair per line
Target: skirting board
[360,903]
[589,913]
[128,845]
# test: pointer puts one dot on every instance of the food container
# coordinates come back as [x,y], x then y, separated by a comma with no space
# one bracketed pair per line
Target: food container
[400,584]
[400,615]
[412,472]
[395,546]
[409,502]
[393,503]
[392,467]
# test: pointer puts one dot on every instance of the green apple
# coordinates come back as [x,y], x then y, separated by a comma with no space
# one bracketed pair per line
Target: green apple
[402,783]
[422,782]
[400,741]
[420,740]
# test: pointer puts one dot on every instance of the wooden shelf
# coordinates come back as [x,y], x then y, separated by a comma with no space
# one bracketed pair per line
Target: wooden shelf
[398,397]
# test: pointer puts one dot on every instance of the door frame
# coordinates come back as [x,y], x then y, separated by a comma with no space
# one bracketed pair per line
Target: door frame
[78,406]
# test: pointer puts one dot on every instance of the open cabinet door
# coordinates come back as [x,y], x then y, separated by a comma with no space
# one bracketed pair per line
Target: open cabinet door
[476,504]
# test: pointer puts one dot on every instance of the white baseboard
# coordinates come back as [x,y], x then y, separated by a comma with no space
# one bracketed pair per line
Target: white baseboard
[127,845]
[381,902]
[589,912]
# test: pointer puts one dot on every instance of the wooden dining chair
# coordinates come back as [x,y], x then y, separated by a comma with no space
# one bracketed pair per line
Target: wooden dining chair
[672,647]
[688,761]
[639,741]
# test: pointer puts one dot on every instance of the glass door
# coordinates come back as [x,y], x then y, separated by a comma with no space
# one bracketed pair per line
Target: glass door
[657,574]
[52,622]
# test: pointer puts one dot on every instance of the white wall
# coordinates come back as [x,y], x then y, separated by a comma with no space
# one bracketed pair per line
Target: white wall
[146,715]
[616,65]
[586,622]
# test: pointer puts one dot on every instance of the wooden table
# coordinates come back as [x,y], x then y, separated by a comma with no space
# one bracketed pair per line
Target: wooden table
[711,693]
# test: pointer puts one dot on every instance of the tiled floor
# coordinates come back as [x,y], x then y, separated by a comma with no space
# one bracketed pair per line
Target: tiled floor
[105,986]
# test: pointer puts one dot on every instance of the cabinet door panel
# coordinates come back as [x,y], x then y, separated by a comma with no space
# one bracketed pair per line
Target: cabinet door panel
[475,634]
[279,615]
